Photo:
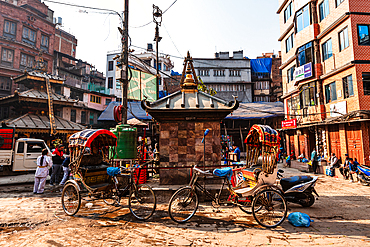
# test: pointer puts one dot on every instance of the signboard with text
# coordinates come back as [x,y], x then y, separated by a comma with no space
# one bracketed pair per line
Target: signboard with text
[303,72]
[338,109]
[289,124]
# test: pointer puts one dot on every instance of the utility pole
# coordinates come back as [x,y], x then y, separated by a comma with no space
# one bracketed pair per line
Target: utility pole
[157,19]
[124,62]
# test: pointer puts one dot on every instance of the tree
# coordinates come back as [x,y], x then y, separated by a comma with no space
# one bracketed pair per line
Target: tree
[202,87]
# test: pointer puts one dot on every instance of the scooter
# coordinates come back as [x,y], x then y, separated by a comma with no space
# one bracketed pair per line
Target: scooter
[364,175]
[299,189]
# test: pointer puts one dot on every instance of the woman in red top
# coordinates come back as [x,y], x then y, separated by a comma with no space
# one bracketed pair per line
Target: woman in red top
[57,164]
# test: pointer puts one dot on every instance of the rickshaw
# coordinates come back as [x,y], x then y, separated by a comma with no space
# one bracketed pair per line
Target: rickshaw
[95,174]
[252,188]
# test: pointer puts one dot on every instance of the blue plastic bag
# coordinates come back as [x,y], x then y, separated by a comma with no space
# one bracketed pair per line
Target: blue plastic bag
[299,219]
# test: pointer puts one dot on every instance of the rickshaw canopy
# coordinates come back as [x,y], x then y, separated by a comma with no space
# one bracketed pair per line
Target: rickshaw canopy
[86,138]
[262,134]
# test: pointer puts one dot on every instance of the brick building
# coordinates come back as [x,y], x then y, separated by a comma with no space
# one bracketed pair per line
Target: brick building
[326,76]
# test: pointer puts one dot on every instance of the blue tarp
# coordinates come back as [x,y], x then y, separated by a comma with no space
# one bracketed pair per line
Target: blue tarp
[133,107]
[257,110]
[261,65]
[162,94]
[173,73]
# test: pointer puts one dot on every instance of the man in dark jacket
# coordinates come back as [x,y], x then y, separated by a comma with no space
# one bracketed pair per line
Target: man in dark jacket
[57,164]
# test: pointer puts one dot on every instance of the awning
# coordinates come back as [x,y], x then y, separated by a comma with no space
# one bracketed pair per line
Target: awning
[257,110]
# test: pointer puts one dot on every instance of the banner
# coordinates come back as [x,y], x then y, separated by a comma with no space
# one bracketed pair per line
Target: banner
[142,85]
[289,124]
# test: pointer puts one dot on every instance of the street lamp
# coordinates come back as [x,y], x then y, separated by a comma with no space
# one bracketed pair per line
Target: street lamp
[157,19]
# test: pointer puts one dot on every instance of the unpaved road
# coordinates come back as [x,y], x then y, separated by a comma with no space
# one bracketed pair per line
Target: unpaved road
[341,218]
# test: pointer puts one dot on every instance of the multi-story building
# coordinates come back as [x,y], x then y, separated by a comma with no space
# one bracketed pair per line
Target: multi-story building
[267,77]
[228,76]
[145,62]
[326,76]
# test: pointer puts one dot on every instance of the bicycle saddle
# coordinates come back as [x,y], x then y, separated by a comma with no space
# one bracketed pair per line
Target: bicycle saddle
[112,171]
[223,172]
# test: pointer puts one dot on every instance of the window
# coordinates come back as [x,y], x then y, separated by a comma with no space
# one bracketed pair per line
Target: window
[7,57]
[107,101]
[35,147]
[305,54]
[262,98]
[363,35]
[289,42]
[45,42]
[288,12]
[290,74]
[118,84]
[95,99]
[338,2]
[83,117]
[366,83]
[4,112]
[234,73]
[324,9]
[26,61]
[91,118]
[219,72]
[57,89]
[327,50]
[110,65]
[29,36]
[159,66]
[347,86]
[73,115]
[5,83]
[308,94]
[10,29]
[303,18]
[262,85]
[110,82]
[331,92]
[203,72]
[77,95]
[343,39]
[20,149]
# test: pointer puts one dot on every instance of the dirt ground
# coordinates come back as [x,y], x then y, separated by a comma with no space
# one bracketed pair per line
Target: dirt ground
[341,218]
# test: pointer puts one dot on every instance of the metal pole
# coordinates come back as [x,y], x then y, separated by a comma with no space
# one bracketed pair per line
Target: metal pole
[156,51]
[124,61]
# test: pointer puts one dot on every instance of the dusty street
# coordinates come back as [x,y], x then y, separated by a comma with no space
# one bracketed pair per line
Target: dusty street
[341,218]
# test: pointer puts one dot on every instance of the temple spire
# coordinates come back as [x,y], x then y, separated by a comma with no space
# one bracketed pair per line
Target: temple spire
[190,81]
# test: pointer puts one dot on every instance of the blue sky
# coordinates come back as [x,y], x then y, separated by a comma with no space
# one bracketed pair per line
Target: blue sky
[201,26]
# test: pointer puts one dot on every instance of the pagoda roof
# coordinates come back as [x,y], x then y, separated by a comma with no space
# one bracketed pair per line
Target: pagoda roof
[37,76]
[37,96]
[38,123]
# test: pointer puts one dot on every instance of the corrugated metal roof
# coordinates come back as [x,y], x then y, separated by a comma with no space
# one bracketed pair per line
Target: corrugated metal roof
[258,110]
[31,121]
[36,94]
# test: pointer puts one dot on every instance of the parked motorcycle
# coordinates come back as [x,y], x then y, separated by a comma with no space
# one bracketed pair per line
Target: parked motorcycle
[299,189]
[364,175]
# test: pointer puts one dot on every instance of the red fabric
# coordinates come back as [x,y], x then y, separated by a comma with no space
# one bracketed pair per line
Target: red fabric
[57,152]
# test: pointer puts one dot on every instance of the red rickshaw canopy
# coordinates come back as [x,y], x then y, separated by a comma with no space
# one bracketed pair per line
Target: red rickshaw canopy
[85,138]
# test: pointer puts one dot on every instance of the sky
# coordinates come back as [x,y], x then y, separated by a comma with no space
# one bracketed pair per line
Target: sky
[202,27]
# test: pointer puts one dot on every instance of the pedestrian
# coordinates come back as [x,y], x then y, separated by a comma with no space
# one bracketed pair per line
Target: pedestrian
[314,161]
[57,164]
[288,161]
[334,163]
[344,170]
[65,166]
[353,168]
[237,152]
[43,164]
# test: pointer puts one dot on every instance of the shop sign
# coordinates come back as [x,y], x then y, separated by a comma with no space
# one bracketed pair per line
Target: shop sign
[289,124]
[338,109]
[303,72]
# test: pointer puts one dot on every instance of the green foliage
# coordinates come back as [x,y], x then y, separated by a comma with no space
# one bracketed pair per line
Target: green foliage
[202,87]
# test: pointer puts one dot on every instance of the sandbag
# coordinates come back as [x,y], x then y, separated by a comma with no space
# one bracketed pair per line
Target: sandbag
[299,219]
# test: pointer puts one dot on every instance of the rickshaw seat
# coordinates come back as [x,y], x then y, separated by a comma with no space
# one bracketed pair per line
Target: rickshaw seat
[223,172]
[101,167]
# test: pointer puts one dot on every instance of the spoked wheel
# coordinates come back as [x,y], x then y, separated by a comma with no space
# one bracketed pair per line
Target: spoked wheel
[245,204]
[113,199]
[269,208]
[71,199]
[142,201]
[183,205]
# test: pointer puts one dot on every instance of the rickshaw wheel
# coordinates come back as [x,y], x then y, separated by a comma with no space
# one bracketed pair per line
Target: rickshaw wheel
[71,199]
[269,208]
[142,201]
[183,205]
[246,206]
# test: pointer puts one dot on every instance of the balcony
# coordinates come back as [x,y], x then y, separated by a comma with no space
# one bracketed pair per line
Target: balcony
[257,76]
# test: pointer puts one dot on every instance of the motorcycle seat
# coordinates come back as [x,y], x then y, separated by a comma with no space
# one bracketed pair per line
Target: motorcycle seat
[287,183]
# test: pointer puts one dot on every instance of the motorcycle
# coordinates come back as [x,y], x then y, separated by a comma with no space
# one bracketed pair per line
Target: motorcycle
[364,175]
[299,189]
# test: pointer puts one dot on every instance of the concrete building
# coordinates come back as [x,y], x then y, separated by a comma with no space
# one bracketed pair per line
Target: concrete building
[326,76]
[227,75]
[145,62]
[267,77]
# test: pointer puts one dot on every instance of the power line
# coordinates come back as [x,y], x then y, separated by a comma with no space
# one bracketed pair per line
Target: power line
[171,39]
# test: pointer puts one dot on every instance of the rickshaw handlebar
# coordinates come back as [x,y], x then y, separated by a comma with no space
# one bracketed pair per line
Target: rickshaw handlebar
[201,171]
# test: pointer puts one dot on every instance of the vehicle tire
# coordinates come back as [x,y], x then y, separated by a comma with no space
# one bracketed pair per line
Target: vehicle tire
[183,205]
[269,208]
[247,206]
[142,201]
[308,201]
[71,199]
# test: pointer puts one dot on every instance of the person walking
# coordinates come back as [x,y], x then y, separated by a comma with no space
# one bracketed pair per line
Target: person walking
[344,170]
[314,161]
[65,166]
[334,163]
[43,164]
[57,164]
